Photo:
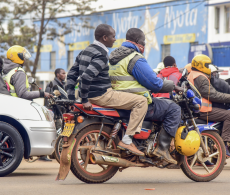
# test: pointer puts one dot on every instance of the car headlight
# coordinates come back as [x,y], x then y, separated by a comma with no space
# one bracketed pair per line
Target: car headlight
[43,111]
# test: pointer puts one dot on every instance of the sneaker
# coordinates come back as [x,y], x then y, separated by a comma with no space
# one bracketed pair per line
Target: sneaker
[131,148]
[207,163]
[44,158]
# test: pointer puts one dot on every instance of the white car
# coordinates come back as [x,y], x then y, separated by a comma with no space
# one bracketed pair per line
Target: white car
[26,129]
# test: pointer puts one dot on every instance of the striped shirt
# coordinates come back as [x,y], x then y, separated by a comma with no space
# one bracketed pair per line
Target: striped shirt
[91,66]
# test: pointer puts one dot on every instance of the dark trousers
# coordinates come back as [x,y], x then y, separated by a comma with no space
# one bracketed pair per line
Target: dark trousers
[219,115]
[167,111]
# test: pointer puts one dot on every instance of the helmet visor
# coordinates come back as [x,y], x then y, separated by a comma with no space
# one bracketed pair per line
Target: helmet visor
[207,65]
[26,54]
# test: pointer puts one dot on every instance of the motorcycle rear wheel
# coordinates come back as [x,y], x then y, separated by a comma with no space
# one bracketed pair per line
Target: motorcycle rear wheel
[217,153]
[92,173]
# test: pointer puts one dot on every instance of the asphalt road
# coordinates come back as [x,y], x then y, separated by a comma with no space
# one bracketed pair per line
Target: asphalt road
[38,178]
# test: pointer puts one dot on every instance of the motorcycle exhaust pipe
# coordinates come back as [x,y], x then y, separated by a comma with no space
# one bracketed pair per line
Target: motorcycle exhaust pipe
[113,161]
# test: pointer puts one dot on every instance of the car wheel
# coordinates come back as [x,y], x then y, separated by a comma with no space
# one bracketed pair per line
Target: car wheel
[11,149]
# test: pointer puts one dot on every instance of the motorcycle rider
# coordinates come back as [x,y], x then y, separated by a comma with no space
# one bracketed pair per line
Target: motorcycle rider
[219,84]
[95,86]
[60,76]
[200,77]
[129,71]
[3,87]
[170,72]
[15,76]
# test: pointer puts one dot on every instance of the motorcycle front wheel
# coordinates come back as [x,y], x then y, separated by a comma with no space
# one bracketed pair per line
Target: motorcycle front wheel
[195,167]
[86,171]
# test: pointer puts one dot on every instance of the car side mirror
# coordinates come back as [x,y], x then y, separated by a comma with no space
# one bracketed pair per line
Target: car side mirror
[31,80]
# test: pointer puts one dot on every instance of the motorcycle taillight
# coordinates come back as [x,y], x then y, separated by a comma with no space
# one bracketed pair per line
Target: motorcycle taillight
[68,117]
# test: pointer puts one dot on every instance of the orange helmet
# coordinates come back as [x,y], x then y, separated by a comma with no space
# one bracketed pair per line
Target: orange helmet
[189,67]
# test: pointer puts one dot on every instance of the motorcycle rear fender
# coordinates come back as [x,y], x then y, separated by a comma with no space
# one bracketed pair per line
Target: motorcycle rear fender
[204,128]
[90,121]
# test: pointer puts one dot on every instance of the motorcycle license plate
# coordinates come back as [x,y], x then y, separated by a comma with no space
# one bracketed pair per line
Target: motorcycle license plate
[68,129]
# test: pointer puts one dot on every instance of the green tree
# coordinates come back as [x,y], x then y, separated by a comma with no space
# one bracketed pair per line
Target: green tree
[44,11]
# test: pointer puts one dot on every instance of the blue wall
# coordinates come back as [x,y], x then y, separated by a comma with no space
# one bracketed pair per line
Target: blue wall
[152,18]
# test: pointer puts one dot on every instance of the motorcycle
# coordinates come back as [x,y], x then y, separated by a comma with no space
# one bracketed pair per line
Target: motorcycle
[90,141]
[57,111]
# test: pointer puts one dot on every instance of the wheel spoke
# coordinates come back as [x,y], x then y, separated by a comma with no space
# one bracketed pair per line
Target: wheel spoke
[86,160]
[8,149]
[4,140]
[193,161]
[206,168]
[206,142]
[214,154]
[7,154]
[1,134]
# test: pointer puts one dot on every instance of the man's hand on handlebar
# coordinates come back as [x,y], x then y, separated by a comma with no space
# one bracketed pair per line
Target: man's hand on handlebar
[47,95]
[87,106]
[178,89]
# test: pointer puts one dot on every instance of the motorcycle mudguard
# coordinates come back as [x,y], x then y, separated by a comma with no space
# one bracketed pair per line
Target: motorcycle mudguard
[65,159]
[203,128]
[90,121]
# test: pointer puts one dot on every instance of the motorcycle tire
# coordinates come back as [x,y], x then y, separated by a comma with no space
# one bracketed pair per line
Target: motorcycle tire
[11,149]
[76,165]
[191,173]
[58,148]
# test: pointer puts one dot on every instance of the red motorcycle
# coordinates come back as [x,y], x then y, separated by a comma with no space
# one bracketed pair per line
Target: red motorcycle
[90,141]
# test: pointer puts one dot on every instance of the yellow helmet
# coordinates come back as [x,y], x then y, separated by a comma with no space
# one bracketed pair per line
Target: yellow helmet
[201,62]
[187,142]
[17,54]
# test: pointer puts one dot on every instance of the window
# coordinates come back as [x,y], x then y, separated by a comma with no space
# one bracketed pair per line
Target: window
[227,19]
[52,60]
[193,43]
[217,20]
[70,59]
[165,51]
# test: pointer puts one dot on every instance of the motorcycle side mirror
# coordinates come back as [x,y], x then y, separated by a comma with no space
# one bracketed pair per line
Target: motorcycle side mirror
[31,80]
[185,73]
[51,85]
[55,87]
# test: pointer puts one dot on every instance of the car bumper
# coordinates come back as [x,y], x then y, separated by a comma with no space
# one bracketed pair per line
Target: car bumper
[42,135]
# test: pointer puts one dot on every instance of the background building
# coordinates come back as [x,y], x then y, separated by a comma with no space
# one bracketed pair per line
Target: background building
[219,34]
[170,29]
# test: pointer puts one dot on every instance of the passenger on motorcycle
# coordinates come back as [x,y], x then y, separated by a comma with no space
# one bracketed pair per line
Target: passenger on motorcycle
[200,77]
[130,71]
[15,76]
[170,72]
[91,66]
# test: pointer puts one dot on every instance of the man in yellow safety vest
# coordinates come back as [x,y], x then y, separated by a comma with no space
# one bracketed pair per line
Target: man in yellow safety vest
[200,78]
[15,76]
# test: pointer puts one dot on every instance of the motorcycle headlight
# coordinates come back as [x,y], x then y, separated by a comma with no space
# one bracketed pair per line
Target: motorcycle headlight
[43,111]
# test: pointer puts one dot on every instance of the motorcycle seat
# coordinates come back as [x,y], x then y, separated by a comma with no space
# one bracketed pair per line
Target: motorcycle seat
[106,111]
[198,121]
